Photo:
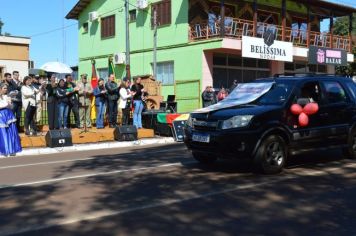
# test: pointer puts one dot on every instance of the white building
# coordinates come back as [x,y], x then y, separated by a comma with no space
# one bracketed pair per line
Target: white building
[14,55]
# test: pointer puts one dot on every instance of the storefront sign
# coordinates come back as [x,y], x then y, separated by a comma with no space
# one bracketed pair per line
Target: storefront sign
[327,56]
[269,49]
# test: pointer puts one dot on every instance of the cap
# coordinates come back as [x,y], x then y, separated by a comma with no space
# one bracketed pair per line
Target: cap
[125,79]
[84,75]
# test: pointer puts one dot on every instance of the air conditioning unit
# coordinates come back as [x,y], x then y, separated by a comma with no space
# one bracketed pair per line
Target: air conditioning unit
[142,4]
[119,58]
[93,16]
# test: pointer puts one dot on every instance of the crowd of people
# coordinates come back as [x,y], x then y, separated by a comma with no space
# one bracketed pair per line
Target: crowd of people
[64,97]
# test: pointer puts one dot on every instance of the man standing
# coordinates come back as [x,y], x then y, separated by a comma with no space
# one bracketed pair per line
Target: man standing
[84,93]
[113,95]
[208,96]
[14,91]
[72,90]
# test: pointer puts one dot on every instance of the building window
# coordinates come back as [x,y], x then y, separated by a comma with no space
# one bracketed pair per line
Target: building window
[85,27]
[108,26]
[132,14]
[164,12]
[165,73]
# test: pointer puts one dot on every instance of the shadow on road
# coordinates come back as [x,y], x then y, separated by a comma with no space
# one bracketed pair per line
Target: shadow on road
[188,200]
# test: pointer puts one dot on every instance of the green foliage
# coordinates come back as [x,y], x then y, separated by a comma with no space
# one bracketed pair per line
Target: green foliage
[341,27]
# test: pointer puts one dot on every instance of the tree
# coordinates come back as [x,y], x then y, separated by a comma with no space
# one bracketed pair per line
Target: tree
[341,27]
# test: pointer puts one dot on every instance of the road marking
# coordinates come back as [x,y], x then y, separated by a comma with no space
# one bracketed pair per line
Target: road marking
[92,175]
[81,159]
[162,203]
[107,213]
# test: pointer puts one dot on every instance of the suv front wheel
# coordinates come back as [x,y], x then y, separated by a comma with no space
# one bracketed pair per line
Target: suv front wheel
[350,150]
[271,155]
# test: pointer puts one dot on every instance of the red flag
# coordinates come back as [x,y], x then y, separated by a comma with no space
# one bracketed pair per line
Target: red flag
[94,78]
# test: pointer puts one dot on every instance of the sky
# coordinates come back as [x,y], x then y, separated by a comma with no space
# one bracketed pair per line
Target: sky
[43,20]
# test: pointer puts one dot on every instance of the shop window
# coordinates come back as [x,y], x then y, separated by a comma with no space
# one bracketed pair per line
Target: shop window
[235,61]
[220,60]
[289,66]
[108,26]
[164,12]
[263,64]
[165,73]
[248,62]
[132,14]
[85,27]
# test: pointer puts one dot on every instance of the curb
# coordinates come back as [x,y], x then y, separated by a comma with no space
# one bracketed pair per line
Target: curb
[95,146]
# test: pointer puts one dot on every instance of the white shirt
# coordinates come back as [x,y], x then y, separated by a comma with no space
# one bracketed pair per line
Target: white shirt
[124,95]
[5,102]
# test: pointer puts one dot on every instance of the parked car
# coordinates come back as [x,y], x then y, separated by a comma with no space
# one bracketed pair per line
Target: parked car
[263,121]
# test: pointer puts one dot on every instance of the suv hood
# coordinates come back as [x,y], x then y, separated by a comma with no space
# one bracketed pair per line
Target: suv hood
[227,113]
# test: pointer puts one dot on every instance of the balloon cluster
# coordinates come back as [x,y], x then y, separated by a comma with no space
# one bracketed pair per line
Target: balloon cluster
[303,112]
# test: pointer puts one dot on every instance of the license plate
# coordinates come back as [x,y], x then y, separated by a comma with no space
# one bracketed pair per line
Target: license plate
[202,138]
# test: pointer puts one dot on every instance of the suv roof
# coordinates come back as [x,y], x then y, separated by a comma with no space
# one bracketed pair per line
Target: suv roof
[302,76]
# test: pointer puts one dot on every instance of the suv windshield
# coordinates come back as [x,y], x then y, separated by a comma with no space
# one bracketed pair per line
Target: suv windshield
[278,94]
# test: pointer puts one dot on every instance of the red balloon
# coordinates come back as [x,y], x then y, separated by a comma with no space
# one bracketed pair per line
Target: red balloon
[296,109]
[311,108]
[303,119]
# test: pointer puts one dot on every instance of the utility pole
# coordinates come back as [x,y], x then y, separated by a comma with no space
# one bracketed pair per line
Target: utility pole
[128,71]
[155,43]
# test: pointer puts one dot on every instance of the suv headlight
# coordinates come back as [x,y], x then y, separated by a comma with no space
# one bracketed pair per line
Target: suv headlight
[190,121]
[236,122]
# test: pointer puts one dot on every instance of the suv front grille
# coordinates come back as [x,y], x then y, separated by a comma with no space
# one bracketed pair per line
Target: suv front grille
[205,125]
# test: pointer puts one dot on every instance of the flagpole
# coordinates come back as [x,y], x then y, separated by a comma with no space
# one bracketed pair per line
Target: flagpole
[128,71]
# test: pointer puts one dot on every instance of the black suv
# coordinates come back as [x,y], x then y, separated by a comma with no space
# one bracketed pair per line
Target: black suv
[257,121]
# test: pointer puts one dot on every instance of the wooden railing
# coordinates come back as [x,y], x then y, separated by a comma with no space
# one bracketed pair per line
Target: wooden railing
[236,28]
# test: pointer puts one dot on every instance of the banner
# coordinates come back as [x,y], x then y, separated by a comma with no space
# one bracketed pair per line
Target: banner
[242,94]
[327,56]
[267,48]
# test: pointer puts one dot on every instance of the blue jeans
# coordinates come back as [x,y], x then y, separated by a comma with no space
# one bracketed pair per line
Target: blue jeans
[100,113]
[137,116]
[62,114]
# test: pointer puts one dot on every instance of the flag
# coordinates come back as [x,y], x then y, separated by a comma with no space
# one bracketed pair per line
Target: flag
[94,77]
[111,68]
[94,84]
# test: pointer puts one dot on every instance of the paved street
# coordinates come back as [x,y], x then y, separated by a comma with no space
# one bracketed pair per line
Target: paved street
[161,190]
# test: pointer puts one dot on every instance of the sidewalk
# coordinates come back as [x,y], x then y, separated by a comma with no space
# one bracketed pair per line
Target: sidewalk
[94,146]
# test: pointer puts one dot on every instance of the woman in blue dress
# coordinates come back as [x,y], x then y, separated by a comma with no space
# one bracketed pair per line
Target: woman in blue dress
[10,142]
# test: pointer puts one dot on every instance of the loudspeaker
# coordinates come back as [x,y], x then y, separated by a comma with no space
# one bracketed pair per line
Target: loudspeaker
[172,106]
[125,133]
[163,106]
[59,138]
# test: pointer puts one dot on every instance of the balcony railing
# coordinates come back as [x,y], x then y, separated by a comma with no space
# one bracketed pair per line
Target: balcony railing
[236,28]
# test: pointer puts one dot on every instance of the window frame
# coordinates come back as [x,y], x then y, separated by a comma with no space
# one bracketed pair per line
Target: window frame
[170,83]
[111,31]
[85,27]
[130,14]
[163,18]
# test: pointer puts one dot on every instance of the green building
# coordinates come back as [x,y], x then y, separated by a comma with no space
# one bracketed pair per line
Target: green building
[209,42]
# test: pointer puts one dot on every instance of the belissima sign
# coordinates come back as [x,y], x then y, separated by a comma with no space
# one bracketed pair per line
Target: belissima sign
[261,48]
[327,56]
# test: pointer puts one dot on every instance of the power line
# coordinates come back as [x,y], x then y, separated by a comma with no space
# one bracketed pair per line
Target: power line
[64,27]
[54,30]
